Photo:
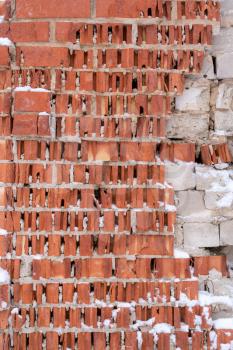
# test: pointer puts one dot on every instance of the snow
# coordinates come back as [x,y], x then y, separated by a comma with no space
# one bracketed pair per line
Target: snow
[221,166]
[223,323]
[173,339]
[140,323]
[225,347]
[3,305]
[179,253]
[224,186]
[15,311]
[142,302]
[197,322]
[124,304]
[169,207]
[37,257]
[85,222]
[28,88]
[106,323]
[101,221]
[114,314]
[226,201]
[100,303]
[213,339]
[5,42]
[206,298]
[43,113]
[206,314]
[139,339]
[184,327]
[4,276]
[85,327]
[186,301]
[3,232]
[161,328]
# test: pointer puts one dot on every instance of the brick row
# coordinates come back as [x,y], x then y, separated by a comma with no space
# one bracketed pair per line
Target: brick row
[103,268]
[214,154]
[86,198]
[116,82]
[113,292]
[74,151]
[101,340]
[95,175]
[47,56]
[204,9]
[123,317]
[124,151]
[78,104]
[83,127]
[87,220]
[117,33]
[87,245]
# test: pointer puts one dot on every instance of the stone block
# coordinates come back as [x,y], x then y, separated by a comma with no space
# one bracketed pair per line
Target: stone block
[226,233]
[206,176]
[198,235]
[224,65]
[195,97]
[180,175]
[188,126]
[191,206]
[219,200]
[208,68]
[226,13]
[223,121]
[223,41]
[225,96]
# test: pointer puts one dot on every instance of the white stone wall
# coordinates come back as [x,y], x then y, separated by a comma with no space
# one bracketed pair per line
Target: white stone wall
[204,114]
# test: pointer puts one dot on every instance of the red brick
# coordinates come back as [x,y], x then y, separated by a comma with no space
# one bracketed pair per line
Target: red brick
[5,102]
[43,56]
[84,340]
[123,8]
[214,154]
[53,8]
[94,268]
[4,55]
[5,9]
[29,31]
[25,124]
[5,79]
[51,340]
[5,149]
[43,125]
[204,264]
[67,31]
[32,101]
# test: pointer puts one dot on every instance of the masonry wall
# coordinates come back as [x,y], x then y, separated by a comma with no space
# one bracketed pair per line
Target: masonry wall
[203,114]
[94,141]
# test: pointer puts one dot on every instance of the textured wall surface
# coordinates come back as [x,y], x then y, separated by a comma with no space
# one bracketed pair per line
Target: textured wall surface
[93,144]
[203,115]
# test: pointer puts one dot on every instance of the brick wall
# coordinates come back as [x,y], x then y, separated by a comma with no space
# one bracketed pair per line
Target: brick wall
[88,131]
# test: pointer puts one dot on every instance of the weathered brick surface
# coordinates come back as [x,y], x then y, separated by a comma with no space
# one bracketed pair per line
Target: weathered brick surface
[86,91]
